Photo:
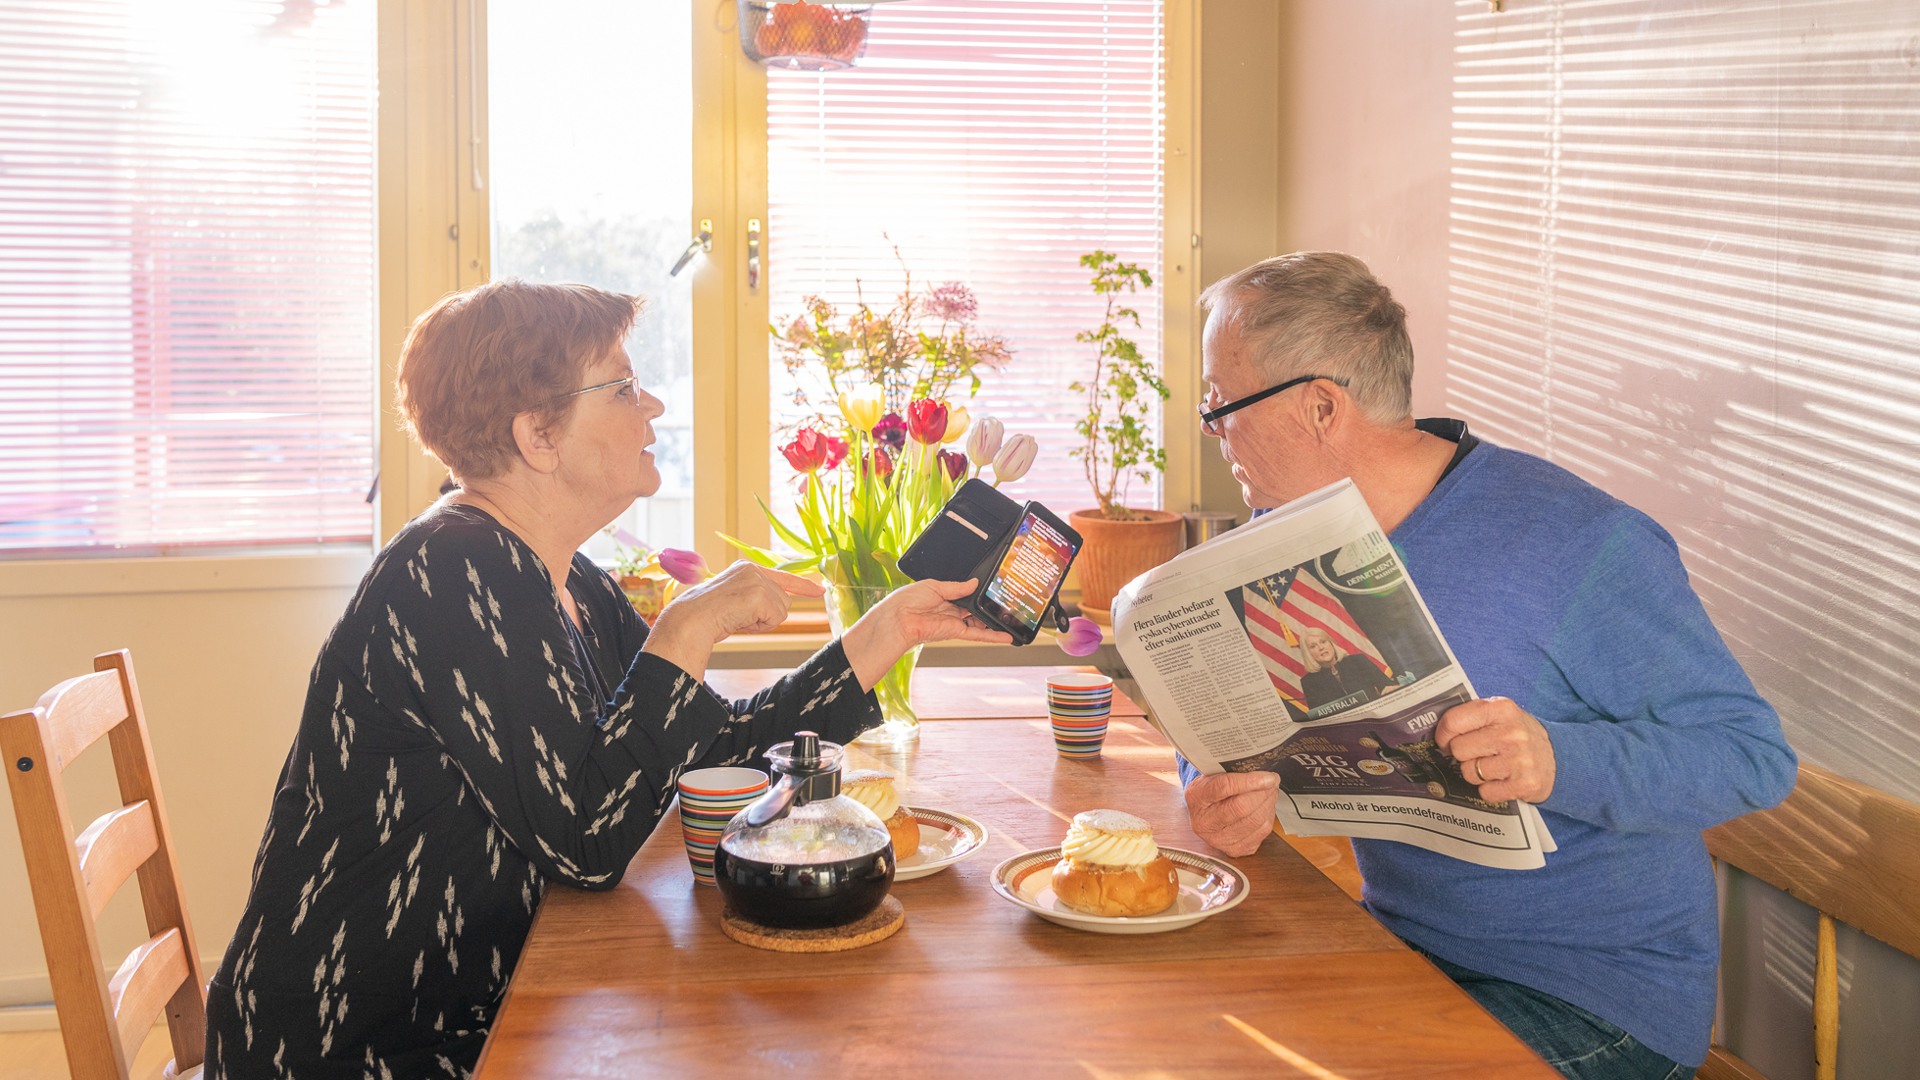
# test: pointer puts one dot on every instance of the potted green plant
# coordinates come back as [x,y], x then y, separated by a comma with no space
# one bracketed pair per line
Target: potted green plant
[1118,444]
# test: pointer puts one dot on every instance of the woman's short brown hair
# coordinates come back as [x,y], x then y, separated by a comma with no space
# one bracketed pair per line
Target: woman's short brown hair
[476,359]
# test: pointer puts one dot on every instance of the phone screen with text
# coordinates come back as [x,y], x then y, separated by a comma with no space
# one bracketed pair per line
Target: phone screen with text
[1029,574]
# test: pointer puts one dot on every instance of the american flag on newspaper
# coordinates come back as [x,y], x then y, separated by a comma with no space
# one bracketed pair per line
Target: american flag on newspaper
[1279,608]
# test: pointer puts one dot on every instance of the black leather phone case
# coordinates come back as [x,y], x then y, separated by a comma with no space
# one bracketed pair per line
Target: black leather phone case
[970,530]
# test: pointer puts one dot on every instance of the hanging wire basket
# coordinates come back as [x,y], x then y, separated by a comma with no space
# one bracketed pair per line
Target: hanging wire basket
[801,36]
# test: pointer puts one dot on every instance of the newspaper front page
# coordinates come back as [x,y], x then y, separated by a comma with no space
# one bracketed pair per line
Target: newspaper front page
[1297,644]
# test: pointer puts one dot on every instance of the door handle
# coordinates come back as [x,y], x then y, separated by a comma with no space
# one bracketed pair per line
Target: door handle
[701,243]
[753,253]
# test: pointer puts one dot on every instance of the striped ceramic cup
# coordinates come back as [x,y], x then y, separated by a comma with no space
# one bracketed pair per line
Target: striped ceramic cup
[1078,704]
[708,800]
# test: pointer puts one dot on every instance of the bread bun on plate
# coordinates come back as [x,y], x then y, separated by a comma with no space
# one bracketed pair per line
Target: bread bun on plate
[1111,866]
[873,789]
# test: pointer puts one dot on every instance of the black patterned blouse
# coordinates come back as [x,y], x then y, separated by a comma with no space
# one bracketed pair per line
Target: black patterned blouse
[464,743]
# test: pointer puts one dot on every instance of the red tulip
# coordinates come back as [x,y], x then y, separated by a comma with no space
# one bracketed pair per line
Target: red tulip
[808,451]
[881,462]
[956,463]
[926,421]
[836,452]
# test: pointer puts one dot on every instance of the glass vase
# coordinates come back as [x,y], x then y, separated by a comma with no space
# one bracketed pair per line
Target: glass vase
[845,605]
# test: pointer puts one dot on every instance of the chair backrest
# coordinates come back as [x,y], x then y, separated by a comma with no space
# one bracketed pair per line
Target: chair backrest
[1847,850]
[102,1020]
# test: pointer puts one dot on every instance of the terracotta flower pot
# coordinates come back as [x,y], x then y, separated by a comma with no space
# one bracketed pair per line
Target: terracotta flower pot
[648,592]
[1116,552]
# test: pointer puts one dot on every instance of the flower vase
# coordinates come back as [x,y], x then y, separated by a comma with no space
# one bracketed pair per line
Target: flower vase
[845,605]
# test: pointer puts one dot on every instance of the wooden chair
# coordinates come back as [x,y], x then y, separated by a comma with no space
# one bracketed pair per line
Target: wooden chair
[103,1021]
[1847,850]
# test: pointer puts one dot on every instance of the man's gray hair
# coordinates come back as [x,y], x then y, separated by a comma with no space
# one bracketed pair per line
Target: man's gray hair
[1322,313]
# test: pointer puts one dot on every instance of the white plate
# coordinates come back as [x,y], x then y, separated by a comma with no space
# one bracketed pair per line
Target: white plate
[945,839]
[1207,887]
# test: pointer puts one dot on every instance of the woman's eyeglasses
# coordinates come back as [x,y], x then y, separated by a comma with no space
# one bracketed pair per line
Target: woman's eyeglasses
[630,380]
[1210,418]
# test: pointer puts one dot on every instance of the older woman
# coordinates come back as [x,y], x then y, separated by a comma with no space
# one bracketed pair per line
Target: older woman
[1334,673]
[490,714]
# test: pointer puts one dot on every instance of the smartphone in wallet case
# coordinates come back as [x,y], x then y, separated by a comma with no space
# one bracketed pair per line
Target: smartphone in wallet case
[1019,552]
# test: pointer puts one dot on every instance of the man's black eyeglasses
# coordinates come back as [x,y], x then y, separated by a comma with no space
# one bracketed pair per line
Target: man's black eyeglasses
[1210,418]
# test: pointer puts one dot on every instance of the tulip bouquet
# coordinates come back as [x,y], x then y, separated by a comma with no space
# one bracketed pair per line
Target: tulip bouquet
[873,461]
[869,484]
[876,464]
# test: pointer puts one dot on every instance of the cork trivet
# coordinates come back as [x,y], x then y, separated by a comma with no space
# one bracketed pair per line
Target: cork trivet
[878,925]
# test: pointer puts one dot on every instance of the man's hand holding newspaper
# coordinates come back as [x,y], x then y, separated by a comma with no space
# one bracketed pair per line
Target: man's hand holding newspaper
[1234,811]
[1499,746]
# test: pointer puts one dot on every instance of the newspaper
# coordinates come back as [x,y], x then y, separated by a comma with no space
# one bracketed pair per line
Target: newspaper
[1297,644]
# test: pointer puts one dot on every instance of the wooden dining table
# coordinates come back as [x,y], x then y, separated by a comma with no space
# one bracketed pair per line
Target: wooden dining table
[1297,980]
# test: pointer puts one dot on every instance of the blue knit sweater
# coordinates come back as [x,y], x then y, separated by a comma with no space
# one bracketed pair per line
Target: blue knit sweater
[1576,606]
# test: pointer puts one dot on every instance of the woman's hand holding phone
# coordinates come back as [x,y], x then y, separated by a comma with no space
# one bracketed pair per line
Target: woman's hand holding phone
[1019,552]
[913,615]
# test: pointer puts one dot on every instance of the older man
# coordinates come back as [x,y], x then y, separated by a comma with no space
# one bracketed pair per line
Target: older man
[1611,701]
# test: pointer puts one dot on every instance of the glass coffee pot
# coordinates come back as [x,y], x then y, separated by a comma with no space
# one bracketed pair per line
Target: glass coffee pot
[804,856]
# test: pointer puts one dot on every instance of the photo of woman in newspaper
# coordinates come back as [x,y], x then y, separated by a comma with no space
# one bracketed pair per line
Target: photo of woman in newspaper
[1337,631]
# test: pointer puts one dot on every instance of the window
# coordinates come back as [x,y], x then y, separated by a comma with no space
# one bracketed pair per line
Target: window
[590,118]
[992,142]
[186,275]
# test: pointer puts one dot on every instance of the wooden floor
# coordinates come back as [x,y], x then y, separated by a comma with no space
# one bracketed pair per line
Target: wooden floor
[37,1055]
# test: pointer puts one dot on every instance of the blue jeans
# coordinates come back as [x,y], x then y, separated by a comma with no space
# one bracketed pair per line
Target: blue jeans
[1577,1043]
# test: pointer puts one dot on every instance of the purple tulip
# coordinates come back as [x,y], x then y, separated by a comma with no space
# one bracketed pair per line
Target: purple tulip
[685,567]
[955,462]
[891,432]
[1082,637]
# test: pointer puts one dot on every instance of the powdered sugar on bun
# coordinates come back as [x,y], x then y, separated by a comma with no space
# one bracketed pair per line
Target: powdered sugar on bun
[873,789]
[1109,838]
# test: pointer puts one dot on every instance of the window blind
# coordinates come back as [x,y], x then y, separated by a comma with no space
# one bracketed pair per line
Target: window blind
[186,275]
[1683,255]
[992,142]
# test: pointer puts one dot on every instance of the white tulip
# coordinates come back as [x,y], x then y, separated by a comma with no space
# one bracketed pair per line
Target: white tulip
[1015,458]
[983,442]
